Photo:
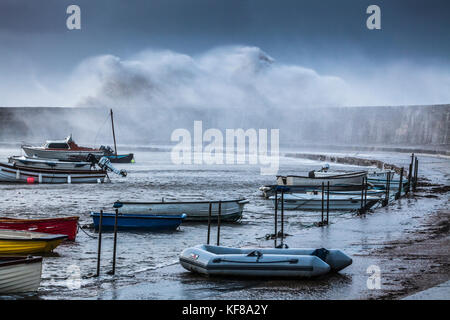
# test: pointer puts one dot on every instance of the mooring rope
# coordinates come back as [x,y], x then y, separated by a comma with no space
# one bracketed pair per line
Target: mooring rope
[80,228]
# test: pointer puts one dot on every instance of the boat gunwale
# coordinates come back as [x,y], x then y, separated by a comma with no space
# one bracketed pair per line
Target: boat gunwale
[183,202]
[139,216]
[37,220]
[17,260]
[339,176]
[54,171]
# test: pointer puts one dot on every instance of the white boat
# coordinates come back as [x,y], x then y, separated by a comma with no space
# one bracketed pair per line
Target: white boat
[302,201]
[231,210]
[66,150]
[317,178]
[262,262]
[49,163]
[22,174]
[20,274]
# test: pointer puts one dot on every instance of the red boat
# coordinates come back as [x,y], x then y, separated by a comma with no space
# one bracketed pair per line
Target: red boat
[67,225]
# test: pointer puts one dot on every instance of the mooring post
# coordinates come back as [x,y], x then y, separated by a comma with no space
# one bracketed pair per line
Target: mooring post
[328,200]
[323,192]
[209,223]
[416,166]
[218,222]
[400,184]
[113,271]
[276,215]
[362,197]
[410,173]
[387,188]
[99,250]
[282,217]
[365,192]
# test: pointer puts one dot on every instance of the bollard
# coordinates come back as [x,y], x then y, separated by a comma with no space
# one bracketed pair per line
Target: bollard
[276,215]
[218,222]
[99,250]
[209,222]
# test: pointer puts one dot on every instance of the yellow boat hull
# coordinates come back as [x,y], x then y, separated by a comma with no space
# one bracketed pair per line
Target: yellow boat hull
[28,246]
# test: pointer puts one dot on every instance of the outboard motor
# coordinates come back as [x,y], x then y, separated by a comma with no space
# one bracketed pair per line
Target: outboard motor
[105,164]
[311,174]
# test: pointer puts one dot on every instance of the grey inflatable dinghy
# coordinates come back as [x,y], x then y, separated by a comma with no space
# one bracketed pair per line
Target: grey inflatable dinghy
[226,261]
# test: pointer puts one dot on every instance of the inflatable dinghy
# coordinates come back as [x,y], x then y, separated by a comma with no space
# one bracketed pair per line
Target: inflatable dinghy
[226,261]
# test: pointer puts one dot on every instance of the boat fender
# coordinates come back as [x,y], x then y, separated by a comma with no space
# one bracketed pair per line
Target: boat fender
[321,253]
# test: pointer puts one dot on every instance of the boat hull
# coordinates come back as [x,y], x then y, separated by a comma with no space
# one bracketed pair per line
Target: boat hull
[20,274]
[49,164]
[24,242]
[262,262]
[17,174]
[65,155]
[314,202]
[121,158]
[138,222]
[67,226]
[334,180]
[231,210]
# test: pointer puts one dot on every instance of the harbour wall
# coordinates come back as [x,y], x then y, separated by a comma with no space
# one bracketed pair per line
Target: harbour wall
[403,128]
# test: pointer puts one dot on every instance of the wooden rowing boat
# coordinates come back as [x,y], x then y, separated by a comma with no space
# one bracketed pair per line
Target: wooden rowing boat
[65,225]
[23,242]
[20,274]
[23,174]
[231,210]
[147,222]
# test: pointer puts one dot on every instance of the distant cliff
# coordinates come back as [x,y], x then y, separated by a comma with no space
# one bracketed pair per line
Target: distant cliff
[426,126]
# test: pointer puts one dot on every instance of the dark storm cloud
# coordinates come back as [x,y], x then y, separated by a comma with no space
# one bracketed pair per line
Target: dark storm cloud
[328,36]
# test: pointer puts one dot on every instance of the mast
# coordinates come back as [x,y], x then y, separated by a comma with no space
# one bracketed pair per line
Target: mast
[114,135]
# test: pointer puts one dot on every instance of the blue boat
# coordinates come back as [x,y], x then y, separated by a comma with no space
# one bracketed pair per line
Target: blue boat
[138,221]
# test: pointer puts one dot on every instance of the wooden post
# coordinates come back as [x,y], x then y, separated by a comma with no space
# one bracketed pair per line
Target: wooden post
[114,135]
[323,191]
[410,173]
[113,271]
[365,192]
[282,217]
[328,200]
[218,222]
[362,197]
[209,222]
[416,166]
[276,215]
[99,250]
[400,185]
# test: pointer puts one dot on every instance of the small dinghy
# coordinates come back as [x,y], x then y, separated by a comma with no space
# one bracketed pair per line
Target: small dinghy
[300,201]
[66,225]
[20,274]
[230,210]
[138,222]
[23,242]
[262,262]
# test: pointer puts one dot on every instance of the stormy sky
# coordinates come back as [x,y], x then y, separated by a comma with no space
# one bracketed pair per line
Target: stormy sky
[322,46]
